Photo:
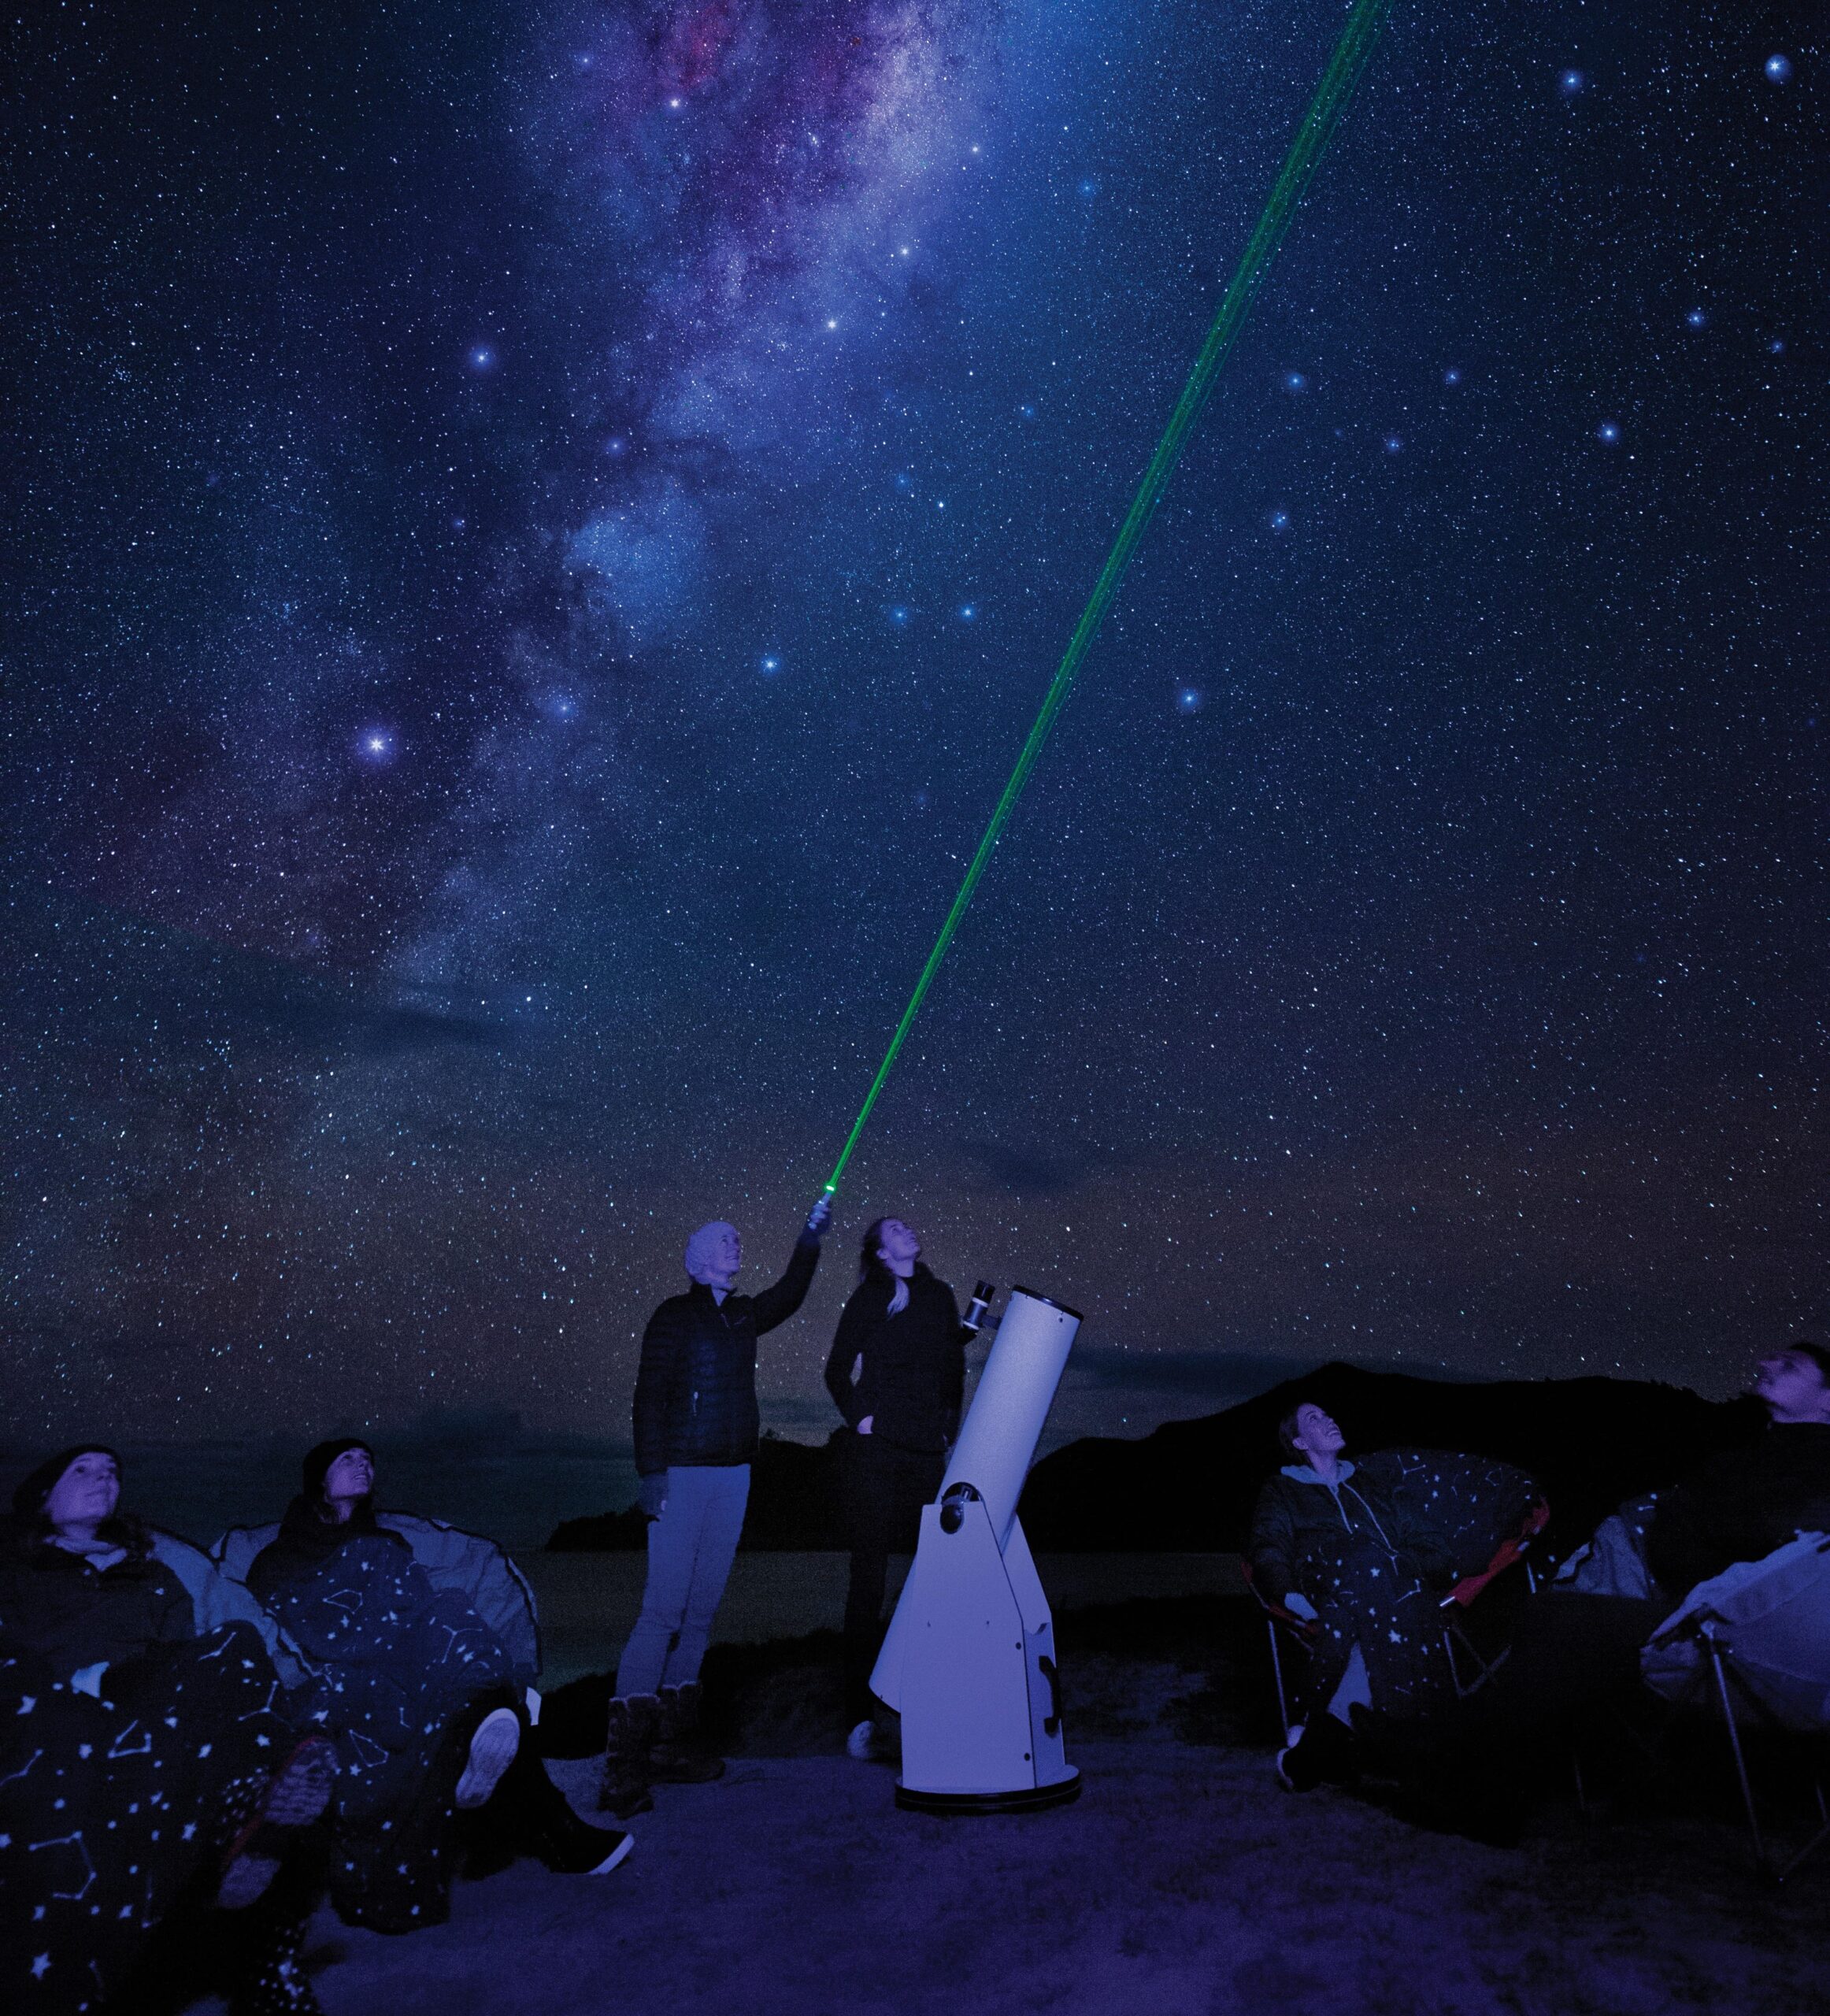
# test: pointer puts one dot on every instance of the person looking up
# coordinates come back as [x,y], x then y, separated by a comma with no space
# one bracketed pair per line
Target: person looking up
[696,1428]
[1343,1556]
[897,1374]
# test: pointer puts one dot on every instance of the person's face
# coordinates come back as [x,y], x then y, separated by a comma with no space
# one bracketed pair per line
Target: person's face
[351,1475]
[728,1254]
[1317,1434]
[897,1244]
[87,1493]
[1793,1387]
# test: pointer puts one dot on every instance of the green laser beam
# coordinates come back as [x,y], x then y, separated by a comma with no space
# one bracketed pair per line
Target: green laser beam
[1345,68]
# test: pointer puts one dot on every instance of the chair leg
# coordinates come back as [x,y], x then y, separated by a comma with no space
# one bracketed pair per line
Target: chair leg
[1721,1673]
[1277,1674]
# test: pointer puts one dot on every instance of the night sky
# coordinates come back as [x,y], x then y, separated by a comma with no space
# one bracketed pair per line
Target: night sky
[537,532]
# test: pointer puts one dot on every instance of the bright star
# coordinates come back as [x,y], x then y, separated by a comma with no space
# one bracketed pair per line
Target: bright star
[1608,433]
[376,746]
[832,322]
[899,614]
[1394,444]
[1279,521]
[1777,347]
[1696,318]
[483,359]
[1778,69]
[1571,82]
[968,613]
[1188,700]
[1294,381]
[1451,377]
[771,664]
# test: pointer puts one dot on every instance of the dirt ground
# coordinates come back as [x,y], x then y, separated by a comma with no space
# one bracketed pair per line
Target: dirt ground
[1184,1882]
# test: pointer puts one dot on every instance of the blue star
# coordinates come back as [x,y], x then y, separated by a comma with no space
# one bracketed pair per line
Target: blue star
[483,359]
[1696,318]
[1188,700]
[1452,375]
[1778,69]
[968,612]
[771,665]
[1571,82]
[1294,381]
[1395,444]
[376,746]
[1777,347]
[899,614]
[1279,522]
[1608,433]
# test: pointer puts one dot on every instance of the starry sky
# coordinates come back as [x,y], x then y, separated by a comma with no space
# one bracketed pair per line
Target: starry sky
[539,529]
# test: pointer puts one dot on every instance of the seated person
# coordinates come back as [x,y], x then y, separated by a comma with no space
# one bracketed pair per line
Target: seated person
[1348,1557]
[144,1765]
[1742,1503]
[423,1701]
[1575,1647]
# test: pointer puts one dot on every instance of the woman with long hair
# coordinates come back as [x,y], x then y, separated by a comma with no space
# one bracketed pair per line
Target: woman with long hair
[419,1695]
[146,1770]
[897,1373]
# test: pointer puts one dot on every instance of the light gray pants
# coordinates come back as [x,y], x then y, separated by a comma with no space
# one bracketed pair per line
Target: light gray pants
[691,1548]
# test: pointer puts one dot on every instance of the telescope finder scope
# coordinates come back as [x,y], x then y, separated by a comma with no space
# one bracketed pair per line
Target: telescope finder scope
[981,1301]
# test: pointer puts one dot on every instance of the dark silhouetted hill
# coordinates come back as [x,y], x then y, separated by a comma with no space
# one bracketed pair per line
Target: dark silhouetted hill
[1590,1443]
[1190,1486]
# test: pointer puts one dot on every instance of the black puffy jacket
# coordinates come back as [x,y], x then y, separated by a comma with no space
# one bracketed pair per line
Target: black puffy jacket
[913,1367]
[695,1389]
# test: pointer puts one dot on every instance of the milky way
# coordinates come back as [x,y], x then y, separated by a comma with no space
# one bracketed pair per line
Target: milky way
[542,533]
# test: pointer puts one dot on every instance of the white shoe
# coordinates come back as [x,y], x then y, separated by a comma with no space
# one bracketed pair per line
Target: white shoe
[865,1743]
[492,1750]
[617,1855]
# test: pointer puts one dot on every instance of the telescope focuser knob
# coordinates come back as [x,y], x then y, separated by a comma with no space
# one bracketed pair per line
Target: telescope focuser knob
[953,1507]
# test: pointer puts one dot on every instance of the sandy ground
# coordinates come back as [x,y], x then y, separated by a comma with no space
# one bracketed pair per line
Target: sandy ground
[1184,1883]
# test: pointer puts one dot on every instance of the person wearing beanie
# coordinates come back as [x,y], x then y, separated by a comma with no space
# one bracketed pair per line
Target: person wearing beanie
[697,1427]
[422,1699]
[161,1761]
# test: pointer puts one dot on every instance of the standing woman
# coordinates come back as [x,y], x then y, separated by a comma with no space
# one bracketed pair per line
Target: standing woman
[897,1374]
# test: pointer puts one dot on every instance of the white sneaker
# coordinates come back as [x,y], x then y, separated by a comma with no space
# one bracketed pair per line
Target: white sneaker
[865,1743]
[492,1750]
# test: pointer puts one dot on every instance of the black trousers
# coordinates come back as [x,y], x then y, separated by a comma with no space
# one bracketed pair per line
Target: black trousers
[882,1489]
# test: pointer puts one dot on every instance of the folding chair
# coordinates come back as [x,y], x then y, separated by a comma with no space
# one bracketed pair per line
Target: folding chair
[1756,1641]
[1460,1599]
[1277,1618]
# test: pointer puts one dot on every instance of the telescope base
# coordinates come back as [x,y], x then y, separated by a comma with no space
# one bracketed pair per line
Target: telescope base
[1029,1799]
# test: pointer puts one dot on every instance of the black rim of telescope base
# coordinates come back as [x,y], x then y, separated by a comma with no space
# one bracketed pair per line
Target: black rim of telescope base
[1030,1799]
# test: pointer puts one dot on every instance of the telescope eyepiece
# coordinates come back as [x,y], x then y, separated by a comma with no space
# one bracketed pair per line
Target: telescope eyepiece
[953,1507]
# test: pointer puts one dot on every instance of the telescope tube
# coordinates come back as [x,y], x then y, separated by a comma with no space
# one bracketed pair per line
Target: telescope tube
[1015,1392]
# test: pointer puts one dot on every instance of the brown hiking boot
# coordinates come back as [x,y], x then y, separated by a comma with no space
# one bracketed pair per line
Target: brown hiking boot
[677,1757]
[633,1720]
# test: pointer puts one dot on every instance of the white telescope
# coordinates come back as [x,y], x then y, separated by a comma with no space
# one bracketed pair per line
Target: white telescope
[968,1660]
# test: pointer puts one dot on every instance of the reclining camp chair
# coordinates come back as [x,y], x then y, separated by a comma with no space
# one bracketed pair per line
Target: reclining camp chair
[1755,1641]
[1487,1515]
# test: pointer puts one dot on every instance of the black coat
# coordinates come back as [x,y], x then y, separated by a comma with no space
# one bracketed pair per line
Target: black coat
[914,1363]
[695,1389]
[1741,1505]
[71,1613]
